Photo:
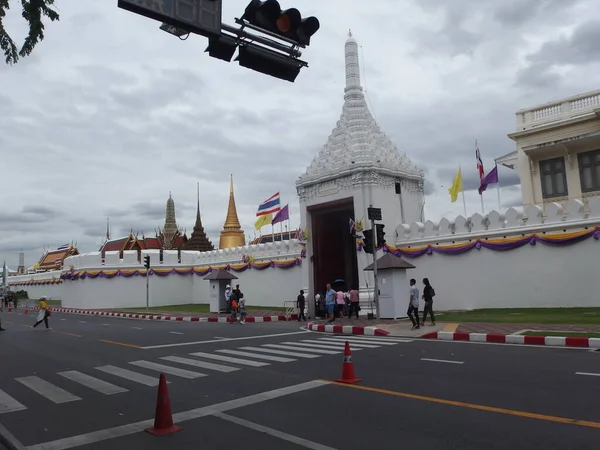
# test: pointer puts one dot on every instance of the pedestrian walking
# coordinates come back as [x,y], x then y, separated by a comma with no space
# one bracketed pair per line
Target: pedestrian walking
[340,303]
[354,297]
[428,294]
[1,310]
[228,294]
[44,312]
[242,308]
[330,303]
[300,303]
[234,309]
[413,304]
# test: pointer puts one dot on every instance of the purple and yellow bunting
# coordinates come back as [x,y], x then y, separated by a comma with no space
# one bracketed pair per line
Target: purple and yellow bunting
[497,245]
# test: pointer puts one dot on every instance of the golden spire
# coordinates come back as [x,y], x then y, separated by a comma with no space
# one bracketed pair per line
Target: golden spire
[232,222]
[232,234]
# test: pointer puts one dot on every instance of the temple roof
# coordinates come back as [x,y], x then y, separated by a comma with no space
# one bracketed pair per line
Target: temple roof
[198,240]
[231,221]
[357,143]
[53,260]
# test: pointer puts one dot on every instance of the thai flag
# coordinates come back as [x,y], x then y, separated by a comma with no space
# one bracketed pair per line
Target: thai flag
[269,206]
[479,163]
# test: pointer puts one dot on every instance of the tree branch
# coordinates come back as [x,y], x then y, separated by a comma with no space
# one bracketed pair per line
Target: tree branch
[33,10]
[6,43]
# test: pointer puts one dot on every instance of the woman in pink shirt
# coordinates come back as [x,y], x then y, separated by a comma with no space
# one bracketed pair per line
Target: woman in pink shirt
[340,301]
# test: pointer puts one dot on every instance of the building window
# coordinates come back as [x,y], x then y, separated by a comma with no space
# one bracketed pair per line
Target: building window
[589,171]
[554,180]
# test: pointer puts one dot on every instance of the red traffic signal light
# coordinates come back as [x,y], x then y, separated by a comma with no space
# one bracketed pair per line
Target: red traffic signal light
[289,23]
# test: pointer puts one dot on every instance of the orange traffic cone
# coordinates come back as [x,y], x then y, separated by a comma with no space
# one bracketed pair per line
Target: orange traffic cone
[348,368]
[163,419]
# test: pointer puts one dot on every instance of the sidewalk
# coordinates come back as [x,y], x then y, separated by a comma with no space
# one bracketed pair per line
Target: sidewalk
[166,312]
[512,328]
[401,328]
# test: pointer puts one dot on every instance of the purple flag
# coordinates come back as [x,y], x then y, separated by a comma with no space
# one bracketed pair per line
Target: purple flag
[282,215]
[490,178]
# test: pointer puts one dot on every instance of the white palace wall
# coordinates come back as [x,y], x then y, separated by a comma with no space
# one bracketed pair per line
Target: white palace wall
[539,275]
[268,287]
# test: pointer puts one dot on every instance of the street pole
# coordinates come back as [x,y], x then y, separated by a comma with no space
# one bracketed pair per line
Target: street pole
[147,288]
[375,281]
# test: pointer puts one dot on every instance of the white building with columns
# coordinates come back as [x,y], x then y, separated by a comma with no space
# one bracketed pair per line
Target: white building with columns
[558,150]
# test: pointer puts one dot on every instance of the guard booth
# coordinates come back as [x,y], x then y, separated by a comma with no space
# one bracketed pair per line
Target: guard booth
[393,286]
[219,279]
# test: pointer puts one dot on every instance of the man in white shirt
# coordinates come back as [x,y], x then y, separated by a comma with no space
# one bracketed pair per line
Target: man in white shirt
[413,306]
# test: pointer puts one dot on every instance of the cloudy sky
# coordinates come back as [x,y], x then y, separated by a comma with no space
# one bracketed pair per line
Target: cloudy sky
[110,114]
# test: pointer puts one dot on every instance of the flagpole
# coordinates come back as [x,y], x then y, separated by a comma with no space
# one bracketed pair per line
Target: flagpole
[482,207]
[464,202]
[498,190]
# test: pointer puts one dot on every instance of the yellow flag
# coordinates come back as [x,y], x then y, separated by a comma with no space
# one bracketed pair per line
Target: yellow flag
[263,220]
[456,186]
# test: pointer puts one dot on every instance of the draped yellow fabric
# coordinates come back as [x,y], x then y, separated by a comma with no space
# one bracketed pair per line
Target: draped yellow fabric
[456,186]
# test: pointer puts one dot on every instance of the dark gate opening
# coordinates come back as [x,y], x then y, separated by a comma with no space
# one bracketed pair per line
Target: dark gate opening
[334,248]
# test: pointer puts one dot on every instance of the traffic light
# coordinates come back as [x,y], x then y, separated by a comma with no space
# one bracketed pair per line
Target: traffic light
[289,24]
[380,235]
[221,47]
[147,262]
[269,62]
[368,240]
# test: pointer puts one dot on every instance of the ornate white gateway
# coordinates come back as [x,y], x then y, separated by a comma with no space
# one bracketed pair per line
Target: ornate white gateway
[359,166]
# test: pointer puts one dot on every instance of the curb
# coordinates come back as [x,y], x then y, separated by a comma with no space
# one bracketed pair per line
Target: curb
[259,319]
[348,329]
[556,341]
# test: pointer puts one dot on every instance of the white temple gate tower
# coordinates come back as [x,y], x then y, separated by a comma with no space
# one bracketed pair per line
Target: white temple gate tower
[358,166]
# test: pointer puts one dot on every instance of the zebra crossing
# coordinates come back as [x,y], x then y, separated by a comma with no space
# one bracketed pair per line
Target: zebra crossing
[195,365]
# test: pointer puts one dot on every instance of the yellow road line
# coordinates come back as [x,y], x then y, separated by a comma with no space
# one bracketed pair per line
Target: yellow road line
[451,327]
[119,343]
[510,412]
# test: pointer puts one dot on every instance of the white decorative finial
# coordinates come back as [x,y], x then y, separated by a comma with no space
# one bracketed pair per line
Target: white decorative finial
[349,33]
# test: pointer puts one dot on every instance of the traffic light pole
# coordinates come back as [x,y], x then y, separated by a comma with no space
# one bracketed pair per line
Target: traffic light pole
[375,280]
[147,288]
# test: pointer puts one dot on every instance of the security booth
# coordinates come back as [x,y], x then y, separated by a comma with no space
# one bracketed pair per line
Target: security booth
[394,286]
[219,279]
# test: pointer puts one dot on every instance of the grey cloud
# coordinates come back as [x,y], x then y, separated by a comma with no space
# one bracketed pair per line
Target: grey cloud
[580,48]
[521,12]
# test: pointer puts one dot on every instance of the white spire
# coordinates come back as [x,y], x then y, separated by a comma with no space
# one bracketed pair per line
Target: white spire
[352,67]
[357,143]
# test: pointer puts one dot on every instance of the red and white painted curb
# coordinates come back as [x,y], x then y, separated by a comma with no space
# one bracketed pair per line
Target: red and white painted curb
[348,329]
[258,319]
[556,341]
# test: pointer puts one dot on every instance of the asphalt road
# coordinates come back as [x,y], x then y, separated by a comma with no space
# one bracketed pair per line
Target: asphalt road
[55,385]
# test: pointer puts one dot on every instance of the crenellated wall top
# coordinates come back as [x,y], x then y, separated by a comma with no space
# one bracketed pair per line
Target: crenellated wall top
[260,252]
[511,222]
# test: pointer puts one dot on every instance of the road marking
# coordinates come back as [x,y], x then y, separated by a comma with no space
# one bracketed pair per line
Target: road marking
[63,319]
[303,349]
[82,321]
[353,343]
[275,433]
[126,430]
[48,390]
[202,364]
[589,374]
[254,355]
[442,361]
[175,332]
[336,344]
[244,362]
[279,352]
[357,341]
[123,344]
[333,349]
[179,344]
[168,369]
[510,412]
[70,334]
[130,375]
[136,328]
[92,382]
[9,404]
[106,324]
